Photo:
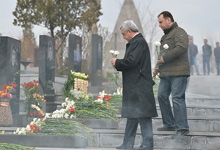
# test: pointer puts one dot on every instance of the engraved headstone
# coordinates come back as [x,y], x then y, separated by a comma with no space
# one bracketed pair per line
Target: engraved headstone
[97,48]
[10,53]
[47,70]
[75,53]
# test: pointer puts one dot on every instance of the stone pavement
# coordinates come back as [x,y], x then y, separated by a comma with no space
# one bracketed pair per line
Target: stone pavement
[204,86]
[44,148]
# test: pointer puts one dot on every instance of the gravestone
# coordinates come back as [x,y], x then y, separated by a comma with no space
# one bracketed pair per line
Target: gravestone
[75,53]
[10,53]
[97,47]
[47,71]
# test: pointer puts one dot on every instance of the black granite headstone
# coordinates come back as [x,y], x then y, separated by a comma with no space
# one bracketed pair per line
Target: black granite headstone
[75,53]
[96,76]
[10,53]
[47,71]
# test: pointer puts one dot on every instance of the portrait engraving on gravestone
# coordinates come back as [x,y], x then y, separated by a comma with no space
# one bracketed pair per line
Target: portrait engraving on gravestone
[15,52]
[77,57]
[50,66]
[99,59]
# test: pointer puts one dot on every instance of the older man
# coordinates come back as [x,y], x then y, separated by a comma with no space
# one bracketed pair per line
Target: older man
[174,71]
[138,104]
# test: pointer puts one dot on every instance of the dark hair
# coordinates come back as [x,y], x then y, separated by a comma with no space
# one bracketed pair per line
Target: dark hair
[166,14]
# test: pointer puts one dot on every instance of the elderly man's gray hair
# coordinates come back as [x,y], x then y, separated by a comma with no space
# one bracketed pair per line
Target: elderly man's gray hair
[129,24]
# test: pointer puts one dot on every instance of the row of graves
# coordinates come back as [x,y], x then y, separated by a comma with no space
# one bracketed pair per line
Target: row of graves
[80,112]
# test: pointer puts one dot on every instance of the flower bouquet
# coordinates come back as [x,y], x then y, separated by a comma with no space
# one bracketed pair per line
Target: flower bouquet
[5,108]
[31,90]
[160,53]
[6,91]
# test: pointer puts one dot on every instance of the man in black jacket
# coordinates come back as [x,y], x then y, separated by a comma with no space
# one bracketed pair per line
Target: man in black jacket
[138,104]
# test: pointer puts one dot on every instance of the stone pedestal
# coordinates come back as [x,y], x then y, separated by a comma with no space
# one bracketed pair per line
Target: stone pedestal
[10,53]
[47,71]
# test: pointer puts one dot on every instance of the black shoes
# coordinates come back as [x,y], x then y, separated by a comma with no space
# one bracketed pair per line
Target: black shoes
[166,129]
[125,147]
[180,133]
[144,147]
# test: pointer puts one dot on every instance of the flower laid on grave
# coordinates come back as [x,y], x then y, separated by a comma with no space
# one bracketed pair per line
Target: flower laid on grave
[33,127]
[103,97]
[83,104]
[160,53]
[6,90]
[31,90]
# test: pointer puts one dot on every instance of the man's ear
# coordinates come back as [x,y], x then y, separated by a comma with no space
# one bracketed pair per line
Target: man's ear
[129,30]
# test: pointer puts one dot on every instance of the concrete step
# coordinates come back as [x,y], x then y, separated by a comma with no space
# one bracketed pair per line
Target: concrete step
[196,124]
[199,110]
[192,109]
[162,140]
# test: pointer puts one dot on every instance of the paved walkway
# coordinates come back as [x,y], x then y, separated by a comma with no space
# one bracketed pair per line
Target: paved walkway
[42,148]
[207,86]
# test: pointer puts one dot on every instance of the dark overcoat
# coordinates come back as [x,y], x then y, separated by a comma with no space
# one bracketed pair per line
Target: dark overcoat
[138,97]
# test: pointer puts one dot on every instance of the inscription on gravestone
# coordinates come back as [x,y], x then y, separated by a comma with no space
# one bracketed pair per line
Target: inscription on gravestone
[10,52]
[96,76]
[75,53]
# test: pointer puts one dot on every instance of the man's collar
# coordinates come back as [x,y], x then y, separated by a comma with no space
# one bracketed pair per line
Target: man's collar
[136,35]
[174,25]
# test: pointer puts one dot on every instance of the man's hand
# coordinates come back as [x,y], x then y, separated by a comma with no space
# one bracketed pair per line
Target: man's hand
[154,72]
[113,61]
[160,60]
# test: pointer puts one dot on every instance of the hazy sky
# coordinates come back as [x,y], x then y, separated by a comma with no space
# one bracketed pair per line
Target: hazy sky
[199,18]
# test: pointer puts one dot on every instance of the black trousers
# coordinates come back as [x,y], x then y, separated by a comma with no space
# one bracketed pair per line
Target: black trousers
[146,131]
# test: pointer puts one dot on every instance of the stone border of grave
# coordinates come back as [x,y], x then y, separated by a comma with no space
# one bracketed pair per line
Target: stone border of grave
[45,140]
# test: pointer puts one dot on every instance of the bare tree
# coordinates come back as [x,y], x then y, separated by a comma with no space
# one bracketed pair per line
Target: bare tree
[150,26]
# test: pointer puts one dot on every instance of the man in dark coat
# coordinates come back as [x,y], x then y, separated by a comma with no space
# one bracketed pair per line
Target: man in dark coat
[138,104]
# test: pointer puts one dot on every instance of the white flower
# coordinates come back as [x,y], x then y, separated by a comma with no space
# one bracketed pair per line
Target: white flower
[116,53]
[18,129]
[157,43]
[72,116]
[99,100]
[63,104]
[166,46]
[119,91]
[28,127]
[102,94]
[112,51]
[47,115]
[66,116]
[67,99]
